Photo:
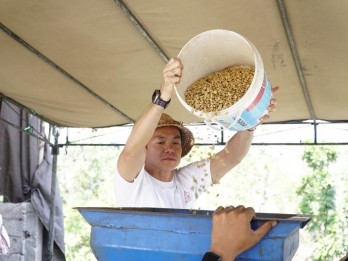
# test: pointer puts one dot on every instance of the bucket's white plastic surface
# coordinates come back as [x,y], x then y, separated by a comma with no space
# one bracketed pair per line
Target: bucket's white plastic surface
[215,50]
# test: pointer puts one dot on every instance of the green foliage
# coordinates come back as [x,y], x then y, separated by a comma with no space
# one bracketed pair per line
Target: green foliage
[86,177]
[266,180]
[77,233]
[318,197]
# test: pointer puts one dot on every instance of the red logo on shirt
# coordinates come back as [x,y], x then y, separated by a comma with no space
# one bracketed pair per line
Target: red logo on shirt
[187,197]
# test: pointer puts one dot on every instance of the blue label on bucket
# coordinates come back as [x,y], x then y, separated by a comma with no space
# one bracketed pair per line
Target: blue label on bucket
[251,115]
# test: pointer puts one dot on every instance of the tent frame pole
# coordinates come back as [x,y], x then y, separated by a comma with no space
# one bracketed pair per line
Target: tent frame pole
[142,29]
[297,62]
[55,153]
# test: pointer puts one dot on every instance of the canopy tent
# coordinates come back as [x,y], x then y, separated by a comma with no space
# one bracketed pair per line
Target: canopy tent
[87,63]
[96,63]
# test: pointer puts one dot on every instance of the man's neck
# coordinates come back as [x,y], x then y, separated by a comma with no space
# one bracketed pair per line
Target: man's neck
[164,176]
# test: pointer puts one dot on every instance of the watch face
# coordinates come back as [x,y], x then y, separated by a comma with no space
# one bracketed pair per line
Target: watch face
[156,94]
[156,99]
[209,256]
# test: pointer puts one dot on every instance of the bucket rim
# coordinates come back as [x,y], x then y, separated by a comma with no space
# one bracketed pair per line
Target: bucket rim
[249,95]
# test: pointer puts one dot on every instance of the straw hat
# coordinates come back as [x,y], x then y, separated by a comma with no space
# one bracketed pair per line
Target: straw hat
[187,139]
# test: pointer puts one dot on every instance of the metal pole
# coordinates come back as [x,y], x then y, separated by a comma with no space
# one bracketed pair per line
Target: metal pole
[296,58]
[61,70]
[132,17]
[55,152]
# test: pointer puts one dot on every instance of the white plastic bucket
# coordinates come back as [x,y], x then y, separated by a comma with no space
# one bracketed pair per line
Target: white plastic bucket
[215,50]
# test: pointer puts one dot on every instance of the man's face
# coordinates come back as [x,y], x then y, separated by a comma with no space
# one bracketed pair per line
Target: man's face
[164,149]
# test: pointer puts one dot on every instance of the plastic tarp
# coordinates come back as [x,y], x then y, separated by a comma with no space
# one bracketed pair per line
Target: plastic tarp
[26,170]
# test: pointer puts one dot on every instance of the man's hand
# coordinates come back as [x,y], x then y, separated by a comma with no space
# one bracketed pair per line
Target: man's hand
[271,107]
[232,233]
[172,73]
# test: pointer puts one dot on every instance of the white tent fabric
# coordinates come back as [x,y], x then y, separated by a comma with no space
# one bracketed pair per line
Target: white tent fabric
[87,63]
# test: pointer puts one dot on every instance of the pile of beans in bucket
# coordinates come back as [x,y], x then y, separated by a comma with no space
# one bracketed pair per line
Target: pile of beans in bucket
[220,90]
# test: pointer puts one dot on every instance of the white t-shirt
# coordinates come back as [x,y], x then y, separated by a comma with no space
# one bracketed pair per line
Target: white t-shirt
[146,191]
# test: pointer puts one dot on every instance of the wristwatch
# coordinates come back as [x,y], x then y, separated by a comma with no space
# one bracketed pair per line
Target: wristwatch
[156,99]
[209,256]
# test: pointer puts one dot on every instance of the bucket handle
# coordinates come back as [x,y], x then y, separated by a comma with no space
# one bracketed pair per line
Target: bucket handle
[237,117]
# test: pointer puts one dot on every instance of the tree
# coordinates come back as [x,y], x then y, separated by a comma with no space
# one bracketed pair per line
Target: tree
[266,180]
[328,226]
[86,180]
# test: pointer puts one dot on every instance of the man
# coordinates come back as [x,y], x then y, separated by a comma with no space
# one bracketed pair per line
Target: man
[232,234]
[146,173]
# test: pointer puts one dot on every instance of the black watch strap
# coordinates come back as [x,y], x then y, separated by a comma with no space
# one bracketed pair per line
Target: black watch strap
[156,99]
[209,256]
